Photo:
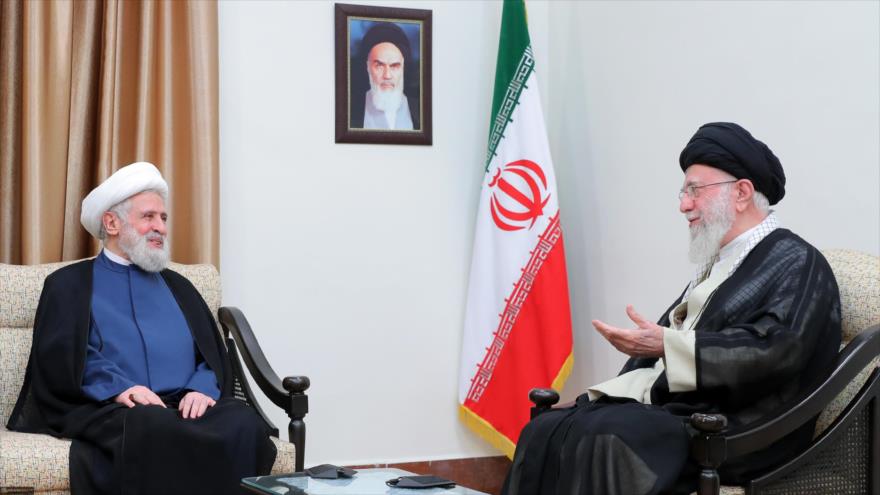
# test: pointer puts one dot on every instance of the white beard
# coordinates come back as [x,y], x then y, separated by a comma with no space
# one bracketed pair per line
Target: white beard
[387,101]
[136,247]
[717,219]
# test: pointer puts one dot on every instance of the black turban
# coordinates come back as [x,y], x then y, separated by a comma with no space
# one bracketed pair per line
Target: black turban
[729,147]
[383,32]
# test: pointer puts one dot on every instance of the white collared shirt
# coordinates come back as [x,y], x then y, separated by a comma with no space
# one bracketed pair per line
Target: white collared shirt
[115,257]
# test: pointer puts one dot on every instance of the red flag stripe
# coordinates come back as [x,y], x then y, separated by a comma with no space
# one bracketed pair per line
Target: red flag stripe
[536,345]
[546,242]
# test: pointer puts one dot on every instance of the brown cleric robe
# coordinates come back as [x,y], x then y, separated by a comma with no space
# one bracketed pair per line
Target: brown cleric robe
[145,449]
[766,337]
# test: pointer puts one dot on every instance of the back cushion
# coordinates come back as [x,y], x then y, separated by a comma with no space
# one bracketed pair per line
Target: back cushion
[858,277]
[20,287]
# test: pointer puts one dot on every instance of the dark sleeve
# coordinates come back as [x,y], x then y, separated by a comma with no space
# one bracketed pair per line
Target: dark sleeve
[787,311]
[51,399]
[60,333]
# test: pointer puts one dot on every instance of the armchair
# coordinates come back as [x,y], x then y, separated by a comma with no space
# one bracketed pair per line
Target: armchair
[844,456]
[39,463]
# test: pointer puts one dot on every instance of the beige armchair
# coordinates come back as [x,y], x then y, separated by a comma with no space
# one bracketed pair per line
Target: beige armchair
[844,457]
[39,463]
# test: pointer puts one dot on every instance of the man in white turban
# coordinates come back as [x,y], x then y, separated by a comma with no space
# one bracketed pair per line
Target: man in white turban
[142,241]
[127,361]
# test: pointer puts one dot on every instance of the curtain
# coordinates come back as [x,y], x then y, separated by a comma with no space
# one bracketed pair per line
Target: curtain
[87,87]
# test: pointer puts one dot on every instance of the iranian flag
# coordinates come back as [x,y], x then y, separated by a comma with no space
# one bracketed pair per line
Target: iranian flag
[517,330]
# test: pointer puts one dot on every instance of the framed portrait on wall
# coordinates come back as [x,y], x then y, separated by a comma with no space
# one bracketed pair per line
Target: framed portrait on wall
[383,75]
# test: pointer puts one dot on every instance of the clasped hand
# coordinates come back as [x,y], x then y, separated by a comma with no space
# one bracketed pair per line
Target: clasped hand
[193,405]
[646,340]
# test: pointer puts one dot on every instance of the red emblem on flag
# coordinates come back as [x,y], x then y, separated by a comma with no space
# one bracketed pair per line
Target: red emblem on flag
[518,196]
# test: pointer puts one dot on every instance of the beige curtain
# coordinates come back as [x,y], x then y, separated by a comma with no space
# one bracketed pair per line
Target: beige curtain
[90,86]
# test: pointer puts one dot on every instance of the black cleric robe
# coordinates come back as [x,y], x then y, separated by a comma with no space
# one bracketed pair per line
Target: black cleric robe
[765,338]
[144,449]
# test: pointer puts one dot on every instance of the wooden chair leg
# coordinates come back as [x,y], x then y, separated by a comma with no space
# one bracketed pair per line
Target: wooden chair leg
[709,449]
[299,406]
[709,483]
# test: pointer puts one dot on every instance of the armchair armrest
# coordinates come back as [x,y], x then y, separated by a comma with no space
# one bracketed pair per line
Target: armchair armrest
[543,398]
[713,445]
[288,394]
[854,357]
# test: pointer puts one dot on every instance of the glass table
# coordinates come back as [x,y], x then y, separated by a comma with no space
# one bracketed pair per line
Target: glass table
[365,482]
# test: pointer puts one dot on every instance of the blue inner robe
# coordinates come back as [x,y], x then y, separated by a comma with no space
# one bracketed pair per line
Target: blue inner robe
[139,336]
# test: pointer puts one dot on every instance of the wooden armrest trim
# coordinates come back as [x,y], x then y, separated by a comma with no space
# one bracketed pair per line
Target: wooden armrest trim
[852,360]
[233,321]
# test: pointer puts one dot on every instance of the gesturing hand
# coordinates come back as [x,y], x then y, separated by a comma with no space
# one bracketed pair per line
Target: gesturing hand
[138,394]
[194,404]
[646,340]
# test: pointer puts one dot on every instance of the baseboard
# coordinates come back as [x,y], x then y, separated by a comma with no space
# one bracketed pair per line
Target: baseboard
[485,474]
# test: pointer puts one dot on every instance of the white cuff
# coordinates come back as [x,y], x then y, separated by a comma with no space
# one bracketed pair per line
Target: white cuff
[594,394]
[634,384]
[680,347]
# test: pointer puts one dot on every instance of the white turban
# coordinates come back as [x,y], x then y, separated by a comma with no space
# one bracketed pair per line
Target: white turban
[123,184]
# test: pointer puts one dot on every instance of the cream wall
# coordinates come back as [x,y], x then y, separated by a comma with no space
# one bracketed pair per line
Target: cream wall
[630,82]
[351,261]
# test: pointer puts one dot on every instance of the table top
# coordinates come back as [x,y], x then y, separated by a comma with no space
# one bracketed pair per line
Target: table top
[365,482]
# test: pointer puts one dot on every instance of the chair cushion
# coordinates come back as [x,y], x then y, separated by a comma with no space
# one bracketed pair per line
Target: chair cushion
[284,460]
[20,287]
[858,277]
[206,279]
[36,461]
[41,461]
[839,403]
[15,346]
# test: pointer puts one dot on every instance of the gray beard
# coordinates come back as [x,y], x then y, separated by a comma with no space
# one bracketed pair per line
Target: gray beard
[706,237]
[140,253]
[387,101]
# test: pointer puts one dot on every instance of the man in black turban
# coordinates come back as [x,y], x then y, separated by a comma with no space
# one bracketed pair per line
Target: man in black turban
[729,147]
[751,332]
[380,100]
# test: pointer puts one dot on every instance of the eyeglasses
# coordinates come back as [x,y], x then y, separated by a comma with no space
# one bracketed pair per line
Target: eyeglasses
[693,191]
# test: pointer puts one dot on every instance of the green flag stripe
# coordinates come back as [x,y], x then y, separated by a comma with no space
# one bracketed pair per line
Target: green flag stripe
[508,100]
[513,42]
[513,45]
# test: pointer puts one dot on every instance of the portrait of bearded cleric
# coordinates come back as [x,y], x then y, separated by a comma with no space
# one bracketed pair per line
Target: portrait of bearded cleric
[384,70]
